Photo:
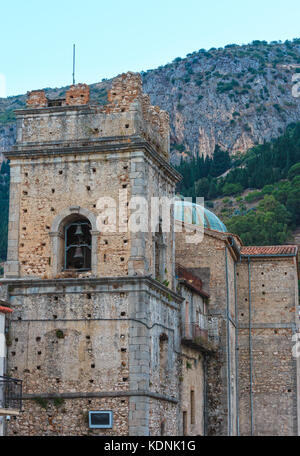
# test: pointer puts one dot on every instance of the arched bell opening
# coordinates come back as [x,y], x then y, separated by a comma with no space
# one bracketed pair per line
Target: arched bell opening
[78,245]
[74,240]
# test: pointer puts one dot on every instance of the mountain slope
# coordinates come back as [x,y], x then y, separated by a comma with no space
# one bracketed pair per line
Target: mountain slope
[235,97]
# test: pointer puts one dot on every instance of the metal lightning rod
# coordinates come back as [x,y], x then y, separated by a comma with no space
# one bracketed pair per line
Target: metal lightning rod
[73,64]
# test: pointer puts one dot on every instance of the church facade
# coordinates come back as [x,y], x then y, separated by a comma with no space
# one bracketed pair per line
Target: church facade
[119,330]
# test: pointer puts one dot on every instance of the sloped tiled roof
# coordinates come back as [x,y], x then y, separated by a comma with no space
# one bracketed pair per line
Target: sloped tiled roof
[270,250]
[190,279]
[5,309]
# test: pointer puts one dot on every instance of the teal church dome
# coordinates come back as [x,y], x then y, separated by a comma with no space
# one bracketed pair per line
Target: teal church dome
[194,214]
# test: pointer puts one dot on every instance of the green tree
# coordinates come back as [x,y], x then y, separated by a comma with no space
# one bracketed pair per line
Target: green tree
[213,189]
[232,189]
[268,226]
[294,171]
[293,200]
[202,187]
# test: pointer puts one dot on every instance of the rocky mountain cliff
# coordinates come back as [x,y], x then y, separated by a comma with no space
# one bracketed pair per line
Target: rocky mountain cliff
[235,97]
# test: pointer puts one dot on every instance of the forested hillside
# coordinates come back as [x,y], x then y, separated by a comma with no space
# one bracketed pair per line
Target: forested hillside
[272,169]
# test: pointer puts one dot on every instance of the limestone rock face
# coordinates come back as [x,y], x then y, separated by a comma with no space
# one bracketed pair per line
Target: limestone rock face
[7,137]
[235,97]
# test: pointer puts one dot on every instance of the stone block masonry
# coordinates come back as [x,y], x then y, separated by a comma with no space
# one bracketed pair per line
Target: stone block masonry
[84,344]
[125,101]
[106,332]
[72,154]
[78,95]
[268,302]
[36,99]
[94,334]
[215,263]
[67,417]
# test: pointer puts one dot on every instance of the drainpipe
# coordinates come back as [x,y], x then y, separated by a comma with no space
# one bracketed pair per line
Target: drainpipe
[205,395]
[228,347]
[236,249]
[236,355]
[250,347]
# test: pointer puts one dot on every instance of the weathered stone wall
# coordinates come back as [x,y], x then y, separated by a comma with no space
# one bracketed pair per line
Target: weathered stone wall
[126,89]
[273,300]
[92,343]
[70,156]
[36,99]
[68,417]
[70,336]
[128,112]
[163,418]
[2,362]
[64,331]
[50,186]
[193,305]
[66,340]
[192,379]
[163,321]
[2,343]
[192,364]
[78,94]
[158,185]
[111,338]
[209,259]
[230,272]
[36,201]
[74,123]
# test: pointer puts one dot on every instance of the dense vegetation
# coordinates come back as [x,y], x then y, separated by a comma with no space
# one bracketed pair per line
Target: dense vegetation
[7,116]
[199,173]
[273,167]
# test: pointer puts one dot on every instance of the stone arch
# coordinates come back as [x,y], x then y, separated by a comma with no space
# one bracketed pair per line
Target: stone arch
[69,212]
[163,427]
[57,236]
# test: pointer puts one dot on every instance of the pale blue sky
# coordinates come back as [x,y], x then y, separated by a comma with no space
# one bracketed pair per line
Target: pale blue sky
[111,37]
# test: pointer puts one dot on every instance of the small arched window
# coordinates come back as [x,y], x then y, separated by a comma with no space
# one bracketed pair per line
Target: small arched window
[159,246]
[78,245]
[163,358]
[65,241]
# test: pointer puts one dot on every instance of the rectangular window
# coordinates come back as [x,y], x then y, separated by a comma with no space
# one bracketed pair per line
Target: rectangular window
[184,423]
[101,419]
[192,407]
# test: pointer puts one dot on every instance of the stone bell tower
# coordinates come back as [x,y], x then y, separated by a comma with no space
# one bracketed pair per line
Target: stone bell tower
[88,313]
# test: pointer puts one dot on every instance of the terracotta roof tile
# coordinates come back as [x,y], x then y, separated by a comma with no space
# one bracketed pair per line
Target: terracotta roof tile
[5,309]
[190,279]
[270,250]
